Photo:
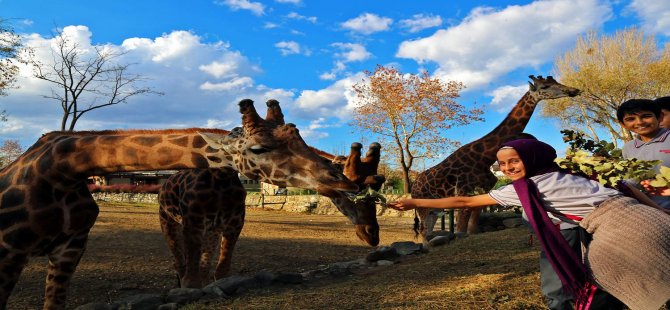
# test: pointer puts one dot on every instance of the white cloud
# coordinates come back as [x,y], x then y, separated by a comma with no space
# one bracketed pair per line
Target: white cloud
[167,47]
[489,43]
[220,69]
[368,23]
[288,47]
[269,25]
[294,15]
[420,22]
[215,123]
[655,15]
[505,97]
[256,8]
[351,52]
[234,84]
[336,100]
[201,82]
[339,67]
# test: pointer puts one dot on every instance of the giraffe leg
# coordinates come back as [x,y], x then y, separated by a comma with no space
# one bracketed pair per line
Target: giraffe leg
[462,220]
[228,241]
[63,261]
[172,231]
[210,247]
[11,266]
[194,233]
[473,221]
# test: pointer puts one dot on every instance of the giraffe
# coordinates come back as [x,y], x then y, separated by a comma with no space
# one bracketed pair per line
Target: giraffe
[46,208]
[363,172]
[467,170]
[202,212]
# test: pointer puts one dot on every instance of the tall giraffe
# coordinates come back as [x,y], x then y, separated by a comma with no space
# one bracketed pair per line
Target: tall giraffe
[202,212]
[468,169]
[46,208]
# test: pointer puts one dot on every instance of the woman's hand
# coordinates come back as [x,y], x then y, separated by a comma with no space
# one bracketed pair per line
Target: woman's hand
[402,204]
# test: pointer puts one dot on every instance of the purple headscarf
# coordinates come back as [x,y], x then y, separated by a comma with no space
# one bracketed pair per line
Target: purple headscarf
[538,158]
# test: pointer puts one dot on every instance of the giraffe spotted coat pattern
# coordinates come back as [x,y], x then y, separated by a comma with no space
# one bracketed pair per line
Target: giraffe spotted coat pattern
[467,171]
[47,210]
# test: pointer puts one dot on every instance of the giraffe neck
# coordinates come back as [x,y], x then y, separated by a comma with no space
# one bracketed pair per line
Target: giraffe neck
[91,153]
[512,125]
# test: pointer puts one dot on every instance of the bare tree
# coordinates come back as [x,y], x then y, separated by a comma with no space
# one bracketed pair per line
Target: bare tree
[86,79]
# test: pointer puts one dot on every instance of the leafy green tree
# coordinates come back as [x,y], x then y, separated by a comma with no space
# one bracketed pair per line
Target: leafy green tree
[609,69]
[10,48]
[409,113]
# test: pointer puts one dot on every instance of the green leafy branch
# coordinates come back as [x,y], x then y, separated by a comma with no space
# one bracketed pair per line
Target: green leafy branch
[662,179]
[602,161]
[367,194]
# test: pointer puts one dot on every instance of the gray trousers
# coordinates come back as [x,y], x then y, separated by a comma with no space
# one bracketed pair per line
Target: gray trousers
[552,288]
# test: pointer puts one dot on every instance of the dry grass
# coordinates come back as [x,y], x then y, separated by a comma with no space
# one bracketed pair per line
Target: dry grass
[488,271]
[127,255]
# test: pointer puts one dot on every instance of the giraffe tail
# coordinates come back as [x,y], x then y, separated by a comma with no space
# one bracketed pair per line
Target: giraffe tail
[416,224]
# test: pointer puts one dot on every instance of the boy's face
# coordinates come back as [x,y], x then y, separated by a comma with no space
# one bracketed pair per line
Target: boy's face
[665,119]
[643,123]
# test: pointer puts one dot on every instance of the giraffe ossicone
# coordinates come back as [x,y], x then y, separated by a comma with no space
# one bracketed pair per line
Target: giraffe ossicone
[46,208]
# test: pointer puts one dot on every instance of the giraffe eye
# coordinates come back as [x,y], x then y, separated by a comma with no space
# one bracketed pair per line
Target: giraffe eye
[258,149]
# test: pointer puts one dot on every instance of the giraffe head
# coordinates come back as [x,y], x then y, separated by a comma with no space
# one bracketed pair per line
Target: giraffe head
[275,153]
[361,212]
[548,88]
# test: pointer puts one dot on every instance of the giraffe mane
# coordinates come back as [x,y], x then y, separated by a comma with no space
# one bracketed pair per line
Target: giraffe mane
[138,131]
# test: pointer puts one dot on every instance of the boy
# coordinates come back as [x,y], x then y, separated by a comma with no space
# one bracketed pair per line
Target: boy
[651,141]
[664,103]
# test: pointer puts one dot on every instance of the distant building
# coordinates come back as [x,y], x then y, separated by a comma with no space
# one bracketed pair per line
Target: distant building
[154,177]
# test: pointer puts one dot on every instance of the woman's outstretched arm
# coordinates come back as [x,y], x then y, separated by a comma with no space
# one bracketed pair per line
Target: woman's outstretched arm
[456,202]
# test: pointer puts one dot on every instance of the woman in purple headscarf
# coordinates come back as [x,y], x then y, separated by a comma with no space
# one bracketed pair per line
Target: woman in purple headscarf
[629,255]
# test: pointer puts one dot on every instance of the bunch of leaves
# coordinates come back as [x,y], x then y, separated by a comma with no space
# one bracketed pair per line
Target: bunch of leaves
[602,161]
[662,179]
[369,195]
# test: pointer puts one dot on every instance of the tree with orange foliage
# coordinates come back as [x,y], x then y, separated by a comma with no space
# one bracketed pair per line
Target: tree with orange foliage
[9,151]
[410,112]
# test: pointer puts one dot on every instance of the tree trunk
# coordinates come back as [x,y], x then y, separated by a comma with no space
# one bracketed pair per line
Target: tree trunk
[407,187]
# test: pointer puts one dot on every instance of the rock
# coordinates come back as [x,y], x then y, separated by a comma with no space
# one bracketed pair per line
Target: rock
[170,306]
[383,253]
[95,306]
[289,278]
[265,278]
[141,302]
[184,295]
[230,286]
[384,263]
[439,241]
[407,247]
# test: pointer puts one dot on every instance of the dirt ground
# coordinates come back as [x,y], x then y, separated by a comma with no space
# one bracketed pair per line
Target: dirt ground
[127,254]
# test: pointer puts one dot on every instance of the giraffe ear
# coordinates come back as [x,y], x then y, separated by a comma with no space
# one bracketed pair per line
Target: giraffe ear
[217,141]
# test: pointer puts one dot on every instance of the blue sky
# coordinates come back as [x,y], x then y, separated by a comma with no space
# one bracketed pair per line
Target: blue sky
[207,55]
